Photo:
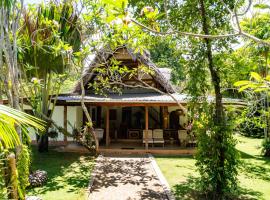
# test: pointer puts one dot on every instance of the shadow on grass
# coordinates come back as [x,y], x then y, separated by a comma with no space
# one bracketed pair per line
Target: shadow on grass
[255,166]
[257,171]
[189,190]
[247,194]
[69,171]
[245,155]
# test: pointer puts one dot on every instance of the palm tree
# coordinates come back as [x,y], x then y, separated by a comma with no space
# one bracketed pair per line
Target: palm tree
[50,36]
[9,119]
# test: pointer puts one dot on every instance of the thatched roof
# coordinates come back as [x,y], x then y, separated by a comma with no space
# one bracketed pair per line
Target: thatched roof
[144,59]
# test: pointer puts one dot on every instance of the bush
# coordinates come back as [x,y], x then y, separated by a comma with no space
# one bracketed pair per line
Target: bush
[250,121]
[250,128]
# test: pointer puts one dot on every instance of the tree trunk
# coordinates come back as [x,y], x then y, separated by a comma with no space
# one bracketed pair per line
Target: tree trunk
[218,117]
[43,140]
[43,143]
[13,177]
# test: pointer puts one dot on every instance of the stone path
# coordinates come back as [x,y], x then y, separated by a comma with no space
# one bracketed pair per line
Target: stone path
[125,178]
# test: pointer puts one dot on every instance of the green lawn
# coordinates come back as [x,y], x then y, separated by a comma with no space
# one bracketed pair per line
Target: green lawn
[254,173]
[68,173]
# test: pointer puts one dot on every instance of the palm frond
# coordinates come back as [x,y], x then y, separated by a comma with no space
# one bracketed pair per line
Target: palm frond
[9,119]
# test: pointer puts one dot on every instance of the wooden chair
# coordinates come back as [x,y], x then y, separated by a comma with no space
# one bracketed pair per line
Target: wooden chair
[158,137]
[183,137]
[99,133]
[150,137]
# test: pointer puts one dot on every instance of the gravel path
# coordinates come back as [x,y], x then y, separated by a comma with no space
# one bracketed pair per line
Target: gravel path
[125,178]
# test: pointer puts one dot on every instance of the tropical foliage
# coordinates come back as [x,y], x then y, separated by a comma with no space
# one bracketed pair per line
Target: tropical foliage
[49,37]
[9,119]
[50,42]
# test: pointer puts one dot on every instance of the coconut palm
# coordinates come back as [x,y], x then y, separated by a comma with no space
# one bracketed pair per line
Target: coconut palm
[9,119]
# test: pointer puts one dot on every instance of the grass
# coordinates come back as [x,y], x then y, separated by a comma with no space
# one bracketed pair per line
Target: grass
[68,175]
[254,172]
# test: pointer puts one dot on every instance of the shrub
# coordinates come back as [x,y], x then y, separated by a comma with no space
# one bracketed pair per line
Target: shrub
[251,129]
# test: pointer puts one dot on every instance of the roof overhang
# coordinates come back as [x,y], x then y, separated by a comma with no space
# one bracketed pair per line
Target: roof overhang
[139,99]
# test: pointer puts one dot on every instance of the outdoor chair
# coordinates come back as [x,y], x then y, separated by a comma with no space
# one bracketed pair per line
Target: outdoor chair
[150,137]
[99,133]
[158,136]
[192,139]
[183,137]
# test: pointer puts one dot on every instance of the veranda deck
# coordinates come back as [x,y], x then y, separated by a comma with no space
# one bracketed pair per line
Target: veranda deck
[138,148]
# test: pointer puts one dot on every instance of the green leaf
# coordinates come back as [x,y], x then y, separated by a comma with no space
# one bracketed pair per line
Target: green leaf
[267,78]
[241,83]
[256,76]
[9,118]
[261,6]
[261,89]
[244,88]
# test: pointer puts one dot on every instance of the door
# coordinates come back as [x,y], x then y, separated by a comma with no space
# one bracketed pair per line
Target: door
[126,122]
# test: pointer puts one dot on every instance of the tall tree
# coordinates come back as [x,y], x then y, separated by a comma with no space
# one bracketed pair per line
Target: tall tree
[10,13]
[203,63]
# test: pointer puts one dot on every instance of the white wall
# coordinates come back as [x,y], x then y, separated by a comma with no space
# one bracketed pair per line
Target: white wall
[72,120]
[74,116]
[58,118]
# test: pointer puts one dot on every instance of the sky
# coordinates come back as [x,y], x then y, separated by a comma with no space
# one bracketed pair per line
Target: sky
[32,1]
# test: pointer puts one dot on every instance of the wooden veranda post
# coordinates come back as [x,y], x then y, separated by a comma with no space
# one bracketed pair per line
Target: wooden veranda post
[146,127]
[107,126]
[165,117]
[65,123]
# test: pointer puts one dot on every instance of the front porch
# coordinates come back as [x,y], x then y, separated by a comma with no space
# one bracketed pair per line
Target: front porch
[136,147]
[139,127]
[136,123]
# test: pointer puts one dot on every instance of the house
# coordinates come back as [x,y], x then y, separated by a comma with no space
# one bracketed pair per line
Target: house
[141,104]
[145,103]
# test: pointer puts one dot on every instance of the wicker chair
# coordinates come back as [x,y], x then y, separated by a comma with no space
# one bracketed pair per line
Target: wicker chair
[99,133]
[149,138]
[183,137]
[158,137]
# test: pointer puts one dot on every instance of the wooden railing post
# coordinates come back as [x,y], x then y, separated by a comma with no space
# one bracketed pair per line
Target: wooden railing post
[107,126]
[65,123]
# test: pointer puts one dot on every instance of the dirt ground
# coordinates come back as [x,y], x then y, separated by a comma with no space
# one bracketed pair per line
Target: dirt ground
[125,178]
